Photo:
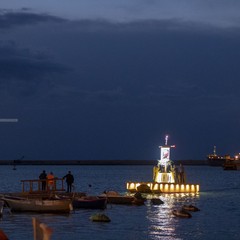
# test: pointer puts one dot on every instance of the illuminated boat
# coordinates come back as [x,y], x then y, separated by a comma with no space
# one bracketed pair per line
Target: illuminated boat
[232,163]
[167,178]
[216,160]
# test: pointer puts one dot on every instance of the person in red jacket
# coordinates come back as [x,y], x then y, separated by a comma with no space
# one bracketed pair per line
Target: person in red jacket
[50,178]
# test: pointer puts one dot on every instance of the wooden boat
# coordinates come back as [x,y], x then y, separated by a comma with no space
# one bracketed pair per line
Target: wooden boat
[115,198]
[120,199]
[91,202]
[190,208]
[19,204]
[181,213]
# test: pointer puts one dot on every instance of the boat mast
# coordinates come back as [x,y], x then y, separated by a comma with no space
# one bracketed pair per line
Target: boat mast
[214,151]
[165,154]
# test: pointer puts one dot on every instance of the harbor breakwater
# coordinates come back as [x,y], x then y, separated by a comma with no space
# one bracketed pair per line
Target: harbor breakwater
[97,162]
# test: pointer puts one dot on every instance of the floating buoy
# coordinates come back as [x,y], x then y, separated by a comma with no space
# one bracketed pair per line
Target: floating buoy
[181,213]
[156,201]
[190,208]
[100,217]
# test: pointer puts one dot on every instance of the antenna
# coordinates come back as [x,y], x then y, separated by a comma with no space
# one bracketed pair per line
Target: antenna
[166,139]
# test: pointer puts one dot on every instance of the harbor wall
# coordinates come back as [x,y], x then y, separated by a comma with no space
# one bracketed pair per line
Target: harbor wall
[97,162]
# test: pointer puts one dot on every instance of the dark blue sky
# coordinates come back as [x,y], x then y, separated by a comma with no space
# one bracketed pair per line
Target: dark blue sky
[91,81]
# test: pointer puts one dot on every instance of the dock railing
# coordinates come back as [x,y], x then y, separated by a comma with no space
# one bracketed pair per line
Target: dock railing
[35,186]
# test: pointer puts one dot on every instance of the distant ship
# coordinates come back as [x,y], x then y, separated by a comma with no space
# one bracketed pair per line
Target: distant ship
[216,160]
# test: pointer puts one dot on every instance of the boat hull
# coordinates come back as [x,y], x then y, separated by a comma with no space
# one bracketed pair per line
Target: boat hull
[232,165]
[181,214]
[90,202]
[216,162]
[190,208]
[38,205]
[115,198]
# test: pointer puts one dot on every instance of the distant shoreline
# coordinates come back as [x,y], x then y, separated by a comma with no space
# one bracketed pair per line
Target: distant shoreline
[97,162]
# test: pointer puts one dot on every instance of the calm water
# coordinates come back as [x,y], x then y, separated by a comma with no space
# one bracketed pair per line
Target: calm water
[218,200]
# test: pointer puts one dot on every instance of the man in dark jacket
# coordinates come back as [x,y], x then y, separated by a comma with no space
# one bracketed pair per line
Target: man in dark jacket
[69,180]
[43,177]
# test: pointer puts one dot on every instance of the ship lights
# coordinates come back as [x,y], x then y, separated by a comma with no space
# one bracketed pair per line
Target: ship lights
[165,179]
[165,187]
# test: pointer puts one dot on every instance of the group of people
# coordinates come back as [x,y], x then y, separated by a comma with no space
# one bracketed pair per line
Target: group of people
[49,183]
[179,174]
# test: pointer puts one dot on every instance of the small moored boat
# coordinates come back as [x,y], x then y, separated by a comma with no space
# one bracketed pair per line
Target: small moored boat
[90,202]
[115,198]
[19,204]
[181,213]
[190,208]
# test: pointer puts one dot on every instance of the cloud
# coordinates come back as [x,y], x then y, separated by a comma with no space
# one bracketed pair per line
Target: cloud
[221,13]
[25,65]
[116,84]
[136,63]
[24,72]
[9,19]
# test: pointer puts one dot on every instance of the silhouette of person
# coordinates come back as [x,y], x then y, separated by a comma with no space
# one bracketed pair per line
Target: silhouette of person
[181,173]
[43,176]
[69,180]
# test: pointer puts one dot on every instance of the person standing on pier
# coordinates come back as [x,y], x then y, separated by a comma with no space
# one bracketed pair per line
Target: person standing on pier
[69,180]
[176,174]
[181,173]
[50,178]
[43,177]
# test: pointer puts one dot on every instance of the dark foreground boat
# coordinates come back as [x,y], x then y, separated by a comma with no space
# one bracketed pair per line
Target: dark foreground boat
[114,197]
[18,204]
[90,202]
[190,208]
[181,213]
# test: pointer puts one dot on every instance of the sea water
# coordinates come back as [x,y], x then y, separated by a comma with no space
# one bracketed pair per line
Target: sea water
[218,201]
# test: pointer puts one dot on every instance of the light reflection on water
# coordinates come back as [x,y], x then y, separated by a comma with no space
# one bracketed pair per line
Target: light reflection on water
[218,201]
[162,221]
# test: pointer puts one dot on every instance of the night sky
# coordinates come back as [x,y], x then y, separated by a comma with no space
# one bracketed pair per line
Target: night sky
[109,79]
